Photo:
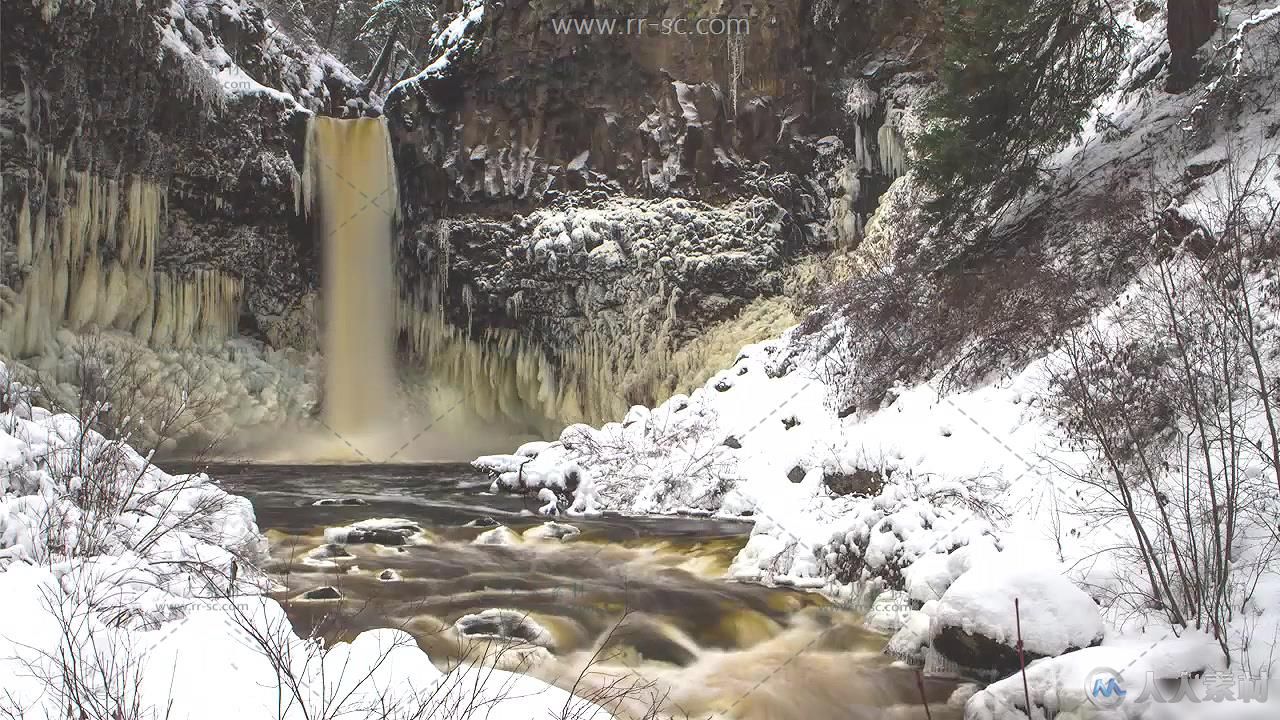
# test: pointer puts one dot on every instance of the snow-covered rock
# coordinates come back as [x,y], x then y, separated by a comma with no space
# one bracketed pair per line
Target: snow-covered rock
[975,624]
[552,531]
[379,531]
[501,535]
[1063,686]
[505,624]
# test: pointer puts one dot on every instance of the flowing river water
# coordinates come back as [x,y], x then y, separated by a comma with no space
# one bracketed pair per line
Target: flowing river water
[630,610]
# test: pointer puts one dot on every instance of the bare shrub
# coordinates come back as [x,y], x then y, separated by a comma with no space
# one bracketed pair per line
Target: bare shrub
[1174,395]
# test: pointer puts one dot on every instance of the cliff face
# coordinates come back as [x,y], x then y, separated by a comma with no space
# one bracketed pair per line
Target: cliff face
[203,102]
[541,152]
[578,206]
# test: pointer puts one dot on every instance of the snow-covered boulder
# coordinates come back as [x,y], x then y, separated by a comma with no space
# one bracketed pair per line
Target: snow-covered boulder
[501,535]
[377,531]
[552,531]
[505,624]
[976,625]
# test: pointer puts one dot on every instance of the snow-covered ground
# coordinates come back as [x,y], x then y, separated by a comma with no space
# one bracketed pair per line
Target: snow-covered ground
[129,592]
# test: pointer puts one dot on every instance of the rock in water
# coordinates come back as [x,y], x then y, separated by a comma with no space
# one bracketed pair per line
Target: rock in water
[501,535]
[328,592]
[331,551]
[378,531]
[552,531]
[325,502]
[505,624]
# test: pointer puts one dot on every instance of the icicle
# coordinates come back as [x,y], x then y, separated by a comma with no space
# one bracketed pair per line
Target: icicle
[24,233]
[893,151]
[736,48]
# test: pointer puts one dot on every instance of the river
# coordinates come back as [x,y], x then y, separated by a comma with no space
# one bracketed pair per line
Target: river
[633,613]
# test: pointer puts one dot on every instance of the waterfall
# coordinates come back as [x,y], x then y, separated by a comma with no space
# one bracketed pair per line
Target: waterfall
[350,172]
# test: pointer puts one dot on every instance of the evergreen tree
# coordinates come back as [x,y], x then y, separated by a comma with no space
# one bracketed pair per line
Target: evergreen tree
[1019,78]
[380,40]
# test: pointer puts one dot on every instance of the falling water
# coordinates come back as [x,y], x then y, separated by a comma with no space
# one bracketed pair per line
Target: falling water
[350,171]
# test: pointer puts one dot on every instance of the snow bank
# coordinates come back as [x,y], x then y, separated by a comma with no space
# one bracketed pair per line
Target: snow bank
[1063,684]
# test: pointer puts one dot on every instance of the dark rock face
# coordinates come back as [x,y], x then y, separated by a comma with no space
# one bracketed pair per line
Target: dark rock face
[625,190]
[129,88]
[979,654]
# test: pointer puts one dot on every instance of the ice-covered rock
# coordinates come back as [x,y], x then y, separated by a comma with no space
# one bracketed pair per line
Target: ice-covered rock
[505,624]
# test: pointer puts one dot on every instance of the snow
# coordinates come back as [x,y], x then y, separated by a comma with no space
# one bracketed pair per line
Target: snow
[375,530]
[1054,614]
[1061,684]
[501,535]
[448,45]
[152,605]
[213,77]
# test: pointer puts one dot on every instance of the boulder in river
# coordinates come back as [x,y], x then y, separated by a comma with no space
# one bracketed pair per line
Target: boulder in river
[344,502]
[506,624]
[328,555]
[377,531]
[328,592]
[501,535]
[552,531]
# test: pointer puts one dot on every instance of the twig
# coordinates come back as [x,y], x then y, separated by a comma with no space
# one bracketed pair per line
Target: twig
[1022,661]
[924,700]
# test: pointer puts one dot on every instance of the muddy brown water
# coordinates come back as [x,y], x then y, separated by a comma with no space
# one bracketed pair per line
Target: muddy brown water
[631,612]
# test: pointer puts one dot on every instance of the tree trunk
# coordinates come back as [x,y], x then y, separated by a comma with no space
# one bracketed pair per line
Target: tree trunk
[384,58]
[333,19]
[1190,24]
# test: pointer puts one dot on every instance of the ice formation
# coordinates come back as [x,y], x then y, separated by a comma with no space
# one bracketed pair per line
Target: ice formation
[86,250]
[893,150]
